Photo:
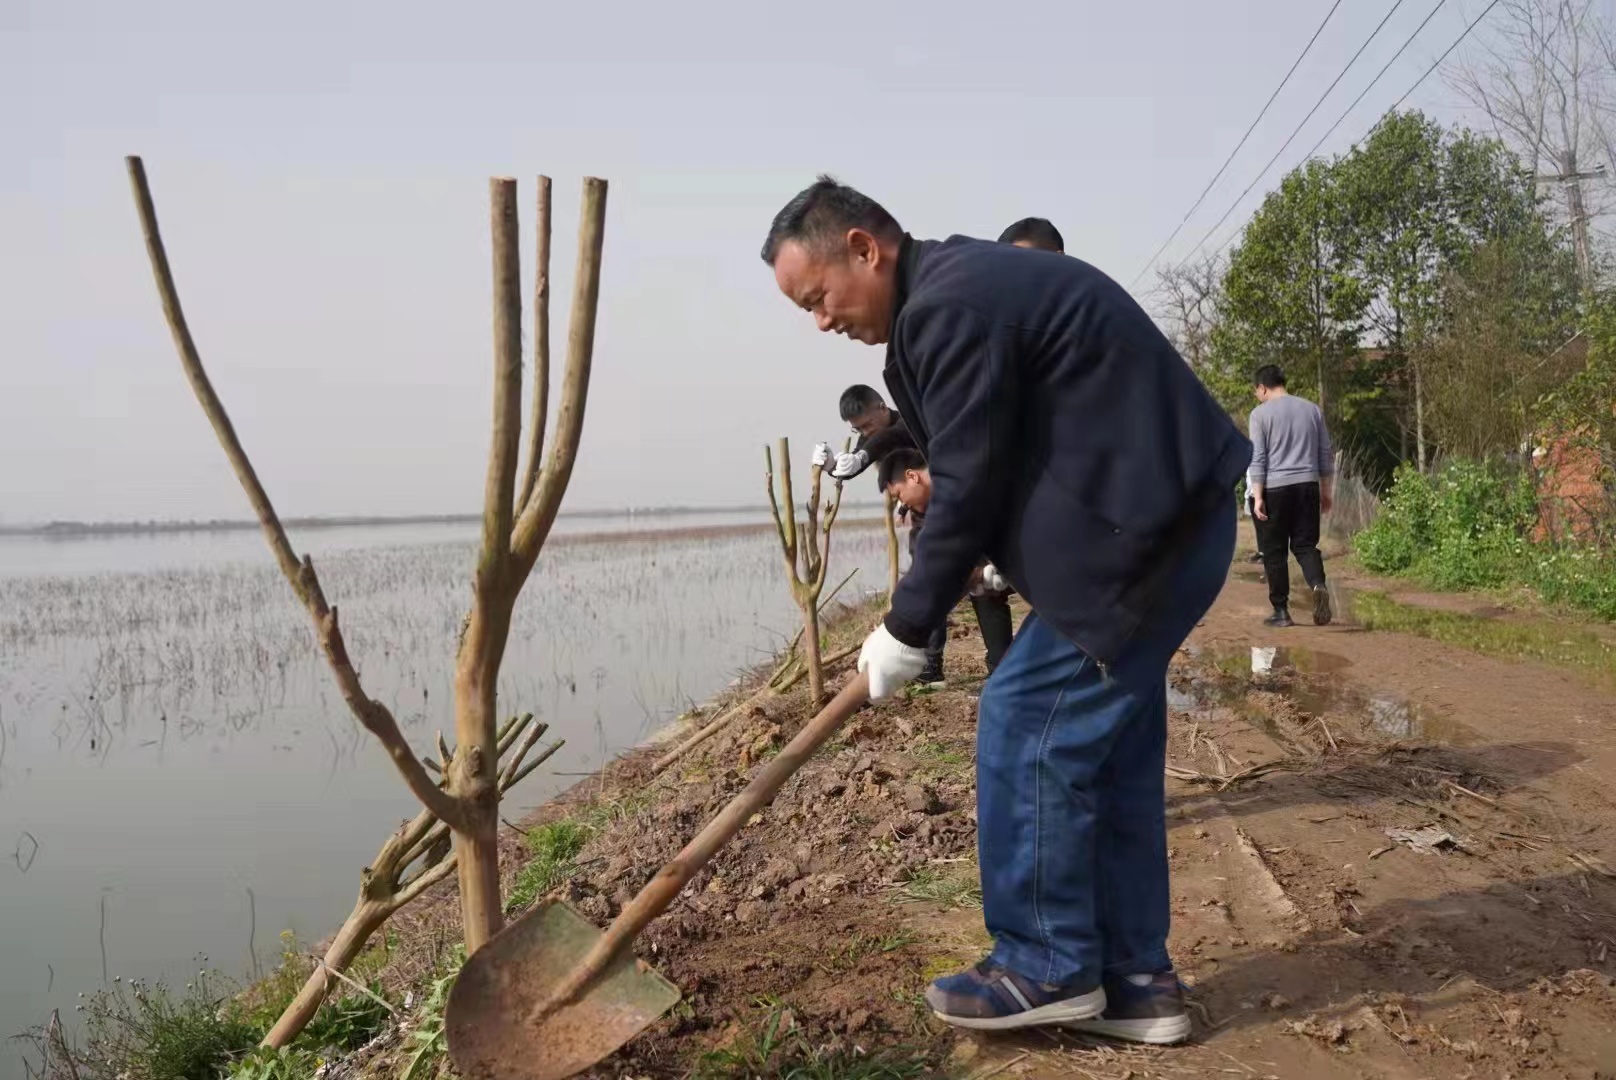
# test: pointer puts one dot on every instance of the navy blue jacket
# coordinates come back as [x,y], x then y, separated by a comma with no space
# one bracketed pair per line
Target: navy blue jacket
[1067,439]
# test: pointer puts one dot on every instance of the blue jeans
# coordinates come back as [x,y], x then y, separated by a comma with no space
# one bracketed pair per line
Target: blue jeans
[1071,816]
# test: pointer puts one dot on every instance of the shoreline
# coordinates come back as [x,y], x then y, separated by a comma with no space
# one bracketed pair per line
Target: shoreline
[92,530]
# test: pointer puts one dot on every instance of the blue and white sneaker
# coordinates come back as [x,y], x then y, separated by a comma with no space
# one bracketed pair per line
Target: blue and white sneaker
[1150,1012]
[991,997]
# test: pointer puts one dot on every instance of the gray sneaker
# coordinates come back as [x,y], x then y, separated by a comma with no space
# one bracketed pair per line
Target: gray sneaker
[1153,1013]
[1321,605]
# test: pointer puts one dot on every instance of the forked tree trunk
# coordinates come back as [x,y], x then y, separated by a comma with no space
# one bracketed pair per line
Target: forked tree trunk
[514,529]
[807,558]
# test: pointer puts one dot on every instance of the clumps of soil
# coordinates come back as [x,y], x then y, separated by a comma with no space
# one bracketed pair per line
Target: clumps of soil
[809,908]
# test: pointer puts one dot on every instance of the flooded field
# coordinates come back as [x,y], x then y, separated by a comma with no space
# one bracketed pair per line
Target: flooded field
[178,774]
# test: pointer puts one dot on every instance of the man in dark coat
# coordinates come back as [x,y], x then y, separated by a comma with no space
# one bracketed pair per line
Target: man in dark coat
[1071,445]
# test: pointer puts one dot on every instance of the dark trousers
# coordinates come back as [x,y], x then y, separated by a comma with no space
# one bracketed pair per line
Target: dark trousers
[1293,524]
[993,616]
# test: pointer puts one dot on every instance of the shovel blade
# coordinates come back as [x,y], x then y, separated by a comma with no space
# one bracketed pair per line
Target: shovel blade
[490,1035]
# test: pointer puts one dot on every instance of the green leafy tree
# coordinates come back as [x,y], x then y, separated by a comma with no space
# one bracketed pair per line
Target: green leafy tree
[1418,201]
[1290,295]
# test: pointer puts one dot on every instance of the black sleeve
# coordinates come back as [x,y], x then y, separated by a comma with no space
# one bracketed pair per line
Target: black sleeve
[968,393]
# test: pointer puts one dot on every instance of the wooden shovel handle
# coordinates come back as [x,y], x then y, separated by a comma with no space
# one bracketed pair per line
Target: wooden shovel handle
[661,890]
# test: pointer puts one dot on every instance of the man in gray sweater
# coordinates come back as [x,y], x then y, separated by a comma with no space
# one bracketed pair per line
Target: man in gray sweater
[1292,481]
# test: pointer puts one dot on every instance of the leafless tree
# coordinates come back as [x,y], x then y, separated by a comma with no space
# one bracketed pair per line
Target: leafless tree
[1187,298]
[1546,81]
[807,555]
[513,530]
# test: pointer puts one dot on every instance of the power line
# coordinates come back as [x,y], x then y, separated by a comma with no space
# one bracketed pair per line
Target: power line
[1226,161]
[1443,57]
[1298,130]
[1376,79]
[1398,103]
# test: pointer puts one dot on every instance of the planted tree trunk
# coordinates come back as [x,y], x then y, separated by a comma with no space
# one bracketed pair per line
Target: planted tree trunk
[807,557]
[514,530]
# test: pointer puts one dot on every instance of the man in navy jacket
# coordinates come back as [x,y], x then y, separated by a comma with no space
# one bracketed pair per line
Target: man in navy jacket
[1073,447]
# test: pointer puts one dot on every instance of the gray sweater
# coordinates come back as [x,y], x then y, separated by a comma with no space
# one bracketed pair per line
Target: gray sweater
[1289,443]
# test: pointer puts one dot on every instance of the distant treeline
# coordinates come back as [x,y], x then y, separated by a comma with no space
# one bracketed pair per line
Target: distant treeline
[70,529]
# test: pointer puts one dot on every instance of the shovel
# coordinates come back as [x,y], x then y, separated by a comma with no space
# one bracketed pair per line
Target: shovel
[550,995]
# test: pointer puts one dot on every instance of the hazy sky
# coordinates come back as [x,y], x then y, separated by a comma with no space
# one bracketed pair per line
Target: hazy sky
[320,170]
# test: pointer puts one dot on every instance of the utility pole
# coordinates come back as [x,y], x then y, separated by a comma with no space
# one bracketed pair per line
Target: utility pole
[1579,214]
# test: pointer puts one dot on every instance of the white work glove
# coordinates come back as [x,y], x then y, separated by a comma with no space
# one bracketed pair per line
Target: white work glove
[992,580]
[821,455]
[889,663]
[849,464]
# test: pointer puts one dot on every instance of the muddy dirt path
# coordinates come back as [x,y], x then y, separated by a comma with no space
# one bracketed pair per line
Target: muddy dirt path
[1477,941]
[1392,857]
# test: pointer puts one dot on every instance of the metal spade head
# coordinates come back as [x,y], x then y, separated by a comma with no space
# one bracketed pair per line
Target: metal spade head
[491,1035]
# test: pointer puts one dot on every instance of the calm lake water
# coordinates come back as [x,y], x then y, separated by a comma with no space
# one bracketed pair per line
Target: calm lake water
[179,776]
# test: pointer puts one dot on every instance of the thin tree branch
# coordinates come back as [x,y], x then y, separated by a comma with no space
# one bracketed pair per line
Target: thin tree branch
[502,454]
[299,573]
[541,350]
[556,471]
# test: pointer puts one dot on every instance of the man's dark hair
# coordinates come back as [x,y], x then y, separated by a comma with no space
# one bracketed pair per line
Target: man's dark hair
[1269,377]
[895,464]
[1037,231]
[858,400]
[820,215]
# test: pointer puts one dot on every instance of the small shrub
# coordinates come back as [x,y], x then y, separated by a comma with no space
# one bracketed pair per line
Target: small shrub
[144,1031]
[1467,526]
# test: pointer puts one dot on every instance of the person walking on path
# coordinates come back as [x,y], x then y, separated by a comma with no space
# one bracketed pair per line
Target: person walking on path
[1071,445]
[1292,482]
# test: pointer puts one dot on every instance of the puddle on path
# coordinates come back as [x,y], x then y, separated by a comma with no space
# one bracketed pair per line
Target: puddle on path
[1312,678]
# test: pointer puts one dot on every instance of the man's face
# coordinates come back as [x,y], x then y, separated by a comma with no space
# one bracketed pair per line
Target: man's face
[848,291]
[1261,391]
[913,489]
[1033,245]
[870,421]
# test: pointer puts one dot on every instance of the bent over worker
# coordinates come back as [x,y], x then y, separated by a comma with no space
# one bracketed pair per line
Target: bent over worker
[881,433]
[1070,444]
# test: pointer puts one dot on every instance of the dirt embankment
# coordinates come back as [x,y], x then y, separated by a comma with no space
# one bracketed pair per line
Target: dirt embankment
[1392,858]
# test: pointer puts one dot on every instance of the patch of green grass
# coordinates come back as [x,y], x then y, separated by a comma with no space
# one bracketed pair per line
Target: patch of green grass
[776,1049]
[603,813]
[555,848]
[937,759]
[288,1063]
[845,957]
[953,887]
[1539,640]
[346,1021]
